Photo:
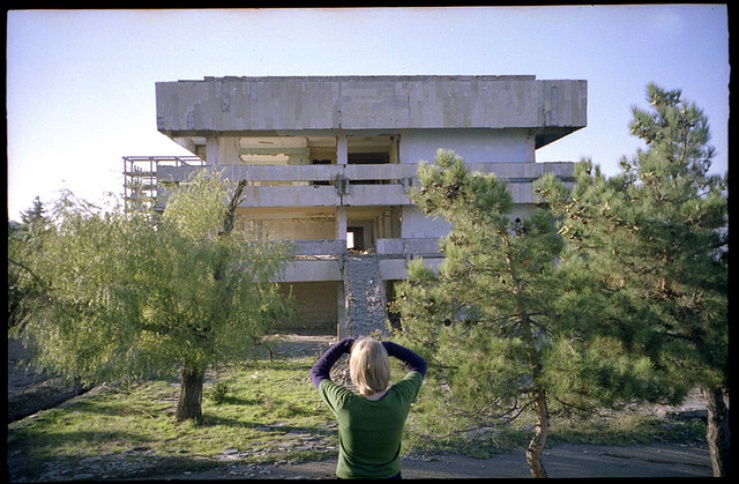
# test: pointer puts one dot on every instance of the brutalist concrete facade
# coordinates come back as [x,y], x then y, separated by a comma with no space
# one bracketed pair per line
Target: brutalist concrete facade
[330,162]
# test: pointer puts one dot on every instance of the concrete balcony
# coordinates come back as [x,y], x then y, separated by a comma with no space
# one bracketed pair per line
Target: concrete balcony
[323,260]
[315,260]
[350,185]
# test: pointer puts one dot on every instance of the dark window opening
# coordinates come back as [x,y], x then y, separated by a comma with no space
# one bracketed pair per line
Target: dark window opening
[355,238]
[368,158]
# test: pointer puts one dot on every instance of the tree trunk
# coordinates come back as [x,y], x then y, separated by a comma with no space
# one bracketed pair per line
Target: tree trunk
[718,433]
[535,448]
[236,199]
[189,406]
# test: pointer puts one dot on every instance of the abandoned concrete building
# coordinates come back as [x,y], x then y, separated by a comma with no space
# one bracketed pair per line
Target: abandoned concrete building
[330,162]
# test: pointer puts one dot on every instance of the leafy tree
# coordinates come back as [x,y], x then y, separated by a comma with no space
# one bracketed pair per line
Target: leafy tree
[507,321]
[655,236]
[126,298]
[21,237]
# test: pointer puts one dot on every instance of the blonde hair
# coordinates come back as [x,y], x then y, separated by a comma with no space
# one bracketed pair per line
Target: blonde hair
[369,366]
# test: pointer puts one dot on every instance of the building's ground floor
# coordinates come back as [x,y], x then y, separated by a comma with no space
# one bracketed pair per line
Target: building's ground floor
[346,291]
[357,304]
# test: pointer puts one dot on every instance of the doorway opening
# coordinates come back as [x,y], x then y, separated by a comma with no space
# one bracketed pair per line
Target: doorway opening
[355,238]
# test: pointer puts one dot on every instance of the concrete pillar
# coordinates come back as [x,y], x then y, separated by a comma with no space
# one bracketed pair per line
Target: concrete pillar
[211,150]
[394,152]
[530,146]
[342,158]
[341,224]
[342,330]
[342,152]
[228,151]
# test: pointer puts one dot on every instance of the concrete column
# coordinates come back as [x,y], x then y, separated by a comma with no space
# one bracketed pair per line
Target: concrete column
[530,146]
[342,153]
[228,151]
[394,154]
[342,330]
[342,158]
[211,151]
[341,224]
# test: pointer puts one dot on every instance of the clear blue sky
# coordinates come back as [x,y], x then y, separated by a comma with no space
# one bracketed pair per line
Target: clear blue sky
[80,83]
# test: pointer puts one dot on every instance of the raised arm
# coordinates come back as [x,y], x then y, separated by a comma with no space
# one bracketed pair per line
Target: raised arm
[411,360]
[322,368]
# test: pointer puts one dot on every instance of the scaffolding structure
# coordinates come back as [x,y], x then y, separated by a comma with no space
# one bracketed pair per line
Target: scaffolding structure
[140,178]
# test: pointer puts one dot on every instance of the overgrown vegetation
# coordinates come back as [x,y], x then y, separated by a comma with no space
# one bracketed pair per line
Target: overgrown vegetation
[267,411]
[111,295]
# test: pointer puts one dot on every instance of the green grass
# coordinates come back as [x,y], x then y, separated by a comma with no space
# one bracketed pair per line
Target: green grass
[628,428]
[267,411]
[433,428]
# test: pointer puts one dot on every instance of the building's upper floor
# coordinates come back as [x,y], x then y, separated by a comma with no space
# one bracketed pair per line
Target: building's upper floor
[357,140]
[190,112]
[330,156]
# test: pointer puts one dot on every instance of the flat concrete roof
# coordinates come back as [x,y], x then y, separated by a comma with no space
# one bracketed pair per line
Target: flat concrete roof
[234,105]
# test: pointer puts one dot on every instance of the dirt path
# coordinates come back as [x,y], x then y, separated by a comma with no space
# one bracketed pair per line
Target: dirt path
[562,461]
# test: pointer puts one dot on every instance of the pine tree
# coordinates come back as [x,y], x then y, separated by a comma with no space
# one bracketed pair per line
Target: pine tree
[507,321]
[656,238]
[34,214]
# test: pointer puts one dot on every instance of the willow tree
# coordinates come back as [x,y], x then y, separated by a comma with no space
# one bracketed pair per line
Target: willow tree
[20,238]
[507,320]
[656,234]
[140,296]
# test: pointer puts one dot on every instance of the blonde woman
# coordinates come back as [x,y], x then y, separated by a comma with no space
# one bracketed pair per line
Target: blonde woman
[370,422]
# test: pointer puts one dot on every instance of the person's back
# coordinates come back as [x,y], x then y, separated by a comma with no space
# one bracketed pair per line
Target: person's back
[370,423]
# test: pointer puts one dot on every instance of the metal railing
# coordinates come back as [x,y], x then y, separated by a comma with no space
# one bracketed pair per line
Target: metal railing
[140,177]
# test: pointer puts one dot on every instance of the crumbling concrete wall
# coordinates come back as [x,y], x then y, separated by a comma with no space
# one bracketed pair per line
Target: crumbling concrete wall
[366,304]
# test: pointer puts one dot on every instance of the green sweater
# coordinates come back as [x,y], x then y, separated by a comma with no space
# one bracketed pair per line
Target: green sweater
[370,431]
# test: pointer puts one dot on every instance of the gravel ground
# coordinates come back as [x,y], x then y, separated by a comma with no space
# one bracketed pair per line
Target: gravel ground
[29,392]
